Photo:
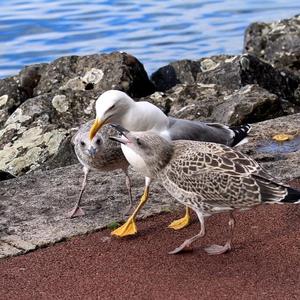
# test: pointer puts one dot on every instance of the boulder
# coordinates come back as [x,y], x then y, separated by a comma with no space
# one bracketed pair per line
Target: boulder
[182,71]
[280,158]
[277,43]
[231,73]
[5,175]
[97,72]
[40,129]
[249,104]
[15,90]
[212,103]
[33,207]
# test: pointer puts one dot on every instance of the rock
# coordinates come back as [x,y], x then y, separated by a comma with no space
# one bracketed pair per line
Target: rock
[30,77]
[182,71]
[279,83]
[15,90]
[10,97]
[212,103]
[276,42]
[33,207]
[39,131]
[5,175]
[97,72]
[249,104]
[231,73]
[279,158]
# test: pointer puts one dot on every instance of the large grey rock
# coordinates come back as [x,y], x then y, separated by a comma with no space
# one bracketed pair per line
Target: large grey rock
[181,71]
[277,43]
[231,73]
[280,158]
[210,102]
[15,90]
[249,104]
[33,207]
[39,131]
[5,175]
[97,72]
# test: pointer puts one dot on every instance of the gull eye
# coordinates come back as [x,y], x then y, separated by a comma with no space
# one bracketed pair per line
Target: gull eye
[138,141]
[98,141]
[82,143]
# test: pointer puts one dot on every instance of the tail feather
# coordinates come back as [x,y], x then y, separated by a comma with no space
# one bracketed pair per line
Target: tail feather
[275,192]
[240,133]
[293,196]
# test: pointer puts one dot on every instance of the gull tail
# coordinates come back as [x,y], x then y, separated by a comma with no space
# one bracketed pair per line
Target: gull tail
[240,134]
[293,196]
[274,192]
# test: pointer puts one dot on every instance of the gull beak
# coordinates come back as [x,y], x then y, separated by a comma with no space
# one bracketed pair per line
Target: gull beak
[95,127]
[120,129]
[123,139]
[92,152]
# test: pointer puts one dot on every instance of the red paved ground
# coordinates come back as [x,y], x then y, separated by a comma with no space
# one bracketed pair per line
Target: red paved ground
[265,263]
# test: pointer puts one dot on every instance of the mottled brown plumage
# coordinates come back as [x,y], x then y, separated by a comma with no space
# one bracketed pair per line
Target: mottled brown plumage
[207,177]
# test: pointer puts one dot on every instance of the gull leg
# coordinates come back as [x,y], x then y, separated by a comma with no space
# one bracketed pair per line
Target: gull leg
[217,249]
[128,185]
[182,222]
[77,211]
[129,227]
[186,244]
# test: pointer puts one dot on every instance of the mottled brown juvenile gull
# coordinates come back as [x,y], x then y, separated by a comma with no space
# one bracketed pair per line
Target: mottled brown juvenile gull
[100,154]
[116,107]
[207,177]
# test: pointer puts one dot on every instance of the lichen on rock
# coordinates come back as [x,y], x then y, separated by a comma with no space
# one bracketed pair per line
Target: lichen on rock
[60,103]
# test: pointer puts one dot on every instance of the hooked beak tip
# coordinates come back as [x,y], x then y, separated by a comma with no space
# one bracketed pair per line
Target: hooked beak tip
[95,127]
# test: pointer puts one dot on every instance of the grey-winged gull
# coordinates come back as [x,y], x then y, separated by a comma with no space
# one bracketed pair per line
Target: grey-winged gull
[207,177]
[100,154]
[116,107]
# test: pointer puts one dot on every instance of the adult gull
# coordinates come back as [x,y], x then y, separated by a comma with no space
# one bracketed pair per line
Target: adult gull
[116,107]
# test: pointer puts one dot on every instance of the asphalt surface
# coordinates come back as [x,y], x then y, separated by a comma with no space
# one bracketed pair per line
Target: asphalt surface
[264,264]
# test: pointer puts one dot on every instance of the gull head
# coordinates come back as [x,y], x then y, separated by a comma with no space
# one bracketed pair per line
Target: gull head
[110,107]
[147,152]
[89,147]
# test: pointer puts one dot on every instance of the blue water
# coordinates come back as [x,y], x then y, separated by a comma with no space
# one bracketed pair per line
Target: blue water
[156,32]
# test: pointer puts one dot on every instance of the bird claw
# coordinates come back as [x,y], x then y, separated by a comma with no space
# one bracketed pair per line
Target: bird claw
[75,212]
[217,249]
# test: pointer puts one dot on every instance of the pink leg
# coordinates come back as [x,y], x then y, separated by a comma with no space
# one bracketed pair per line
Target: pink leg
[217,249]
[77,211]
[128,185]
[186,244]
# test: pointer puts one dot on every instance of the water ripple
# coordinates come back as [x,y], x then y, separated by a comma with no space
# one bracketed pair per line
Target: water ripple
[157,32]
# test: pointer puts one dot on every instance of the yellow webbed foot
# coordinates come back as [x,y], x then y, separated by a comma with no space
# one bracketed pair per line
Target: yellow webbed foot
[181,223]
[128,228]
